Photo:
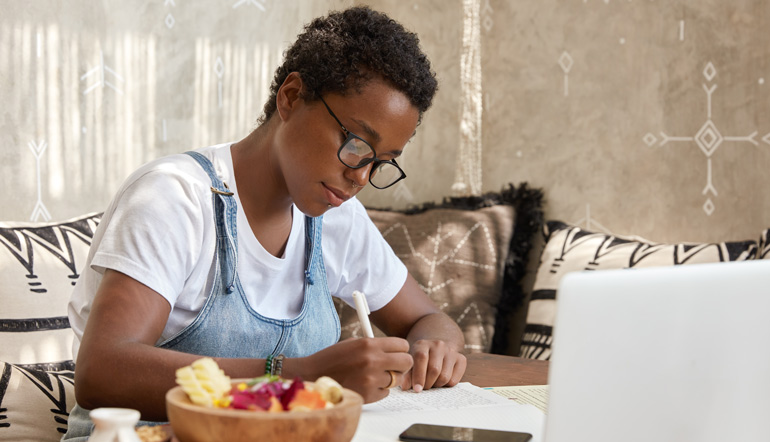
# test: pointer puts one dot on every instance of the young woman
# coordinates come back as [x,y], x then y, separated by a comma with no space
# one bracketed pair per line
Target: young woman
[234,251]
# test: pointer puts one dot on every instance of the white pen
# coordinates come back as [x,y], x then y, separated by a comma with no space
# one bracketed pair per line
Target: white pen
[362,308]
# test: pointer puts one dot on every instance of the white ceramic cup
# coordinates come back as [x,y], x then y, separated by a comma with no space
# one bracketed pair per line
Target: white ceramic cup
[114,425]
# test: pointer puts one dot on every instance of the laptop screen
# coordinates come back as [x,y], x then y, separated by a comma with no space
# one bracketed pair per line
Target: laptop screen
[662,354]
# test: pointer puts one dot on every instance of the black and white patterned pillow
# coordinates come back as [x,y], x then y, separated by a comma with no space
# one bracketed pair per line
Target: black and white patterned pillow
[39,264]
[34,404]
[764,245]
[570,248]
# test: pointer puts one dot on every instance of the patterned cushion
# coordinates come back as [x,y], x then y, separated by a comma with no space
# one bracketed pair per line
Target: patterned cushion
[570,248]
[39,264]
[34,404]
[764,245]
[468,255]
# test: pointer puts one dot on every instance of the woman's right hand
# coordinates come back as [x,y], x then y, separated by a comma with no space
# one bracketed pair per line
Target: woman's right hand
[360,364]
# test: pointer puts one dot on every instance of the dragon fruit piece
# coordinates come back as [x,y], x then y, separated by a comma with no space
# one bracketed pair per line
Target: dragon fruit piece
[249,400]
[289,393]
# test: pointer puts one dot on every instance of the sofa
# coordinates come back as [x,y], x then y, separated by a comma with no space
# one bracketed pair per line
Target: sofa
[490,262]
[469,254]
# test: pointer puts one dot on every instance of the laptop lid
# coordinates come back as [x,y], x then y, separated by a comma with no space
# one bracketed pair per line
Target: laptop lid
[662,354]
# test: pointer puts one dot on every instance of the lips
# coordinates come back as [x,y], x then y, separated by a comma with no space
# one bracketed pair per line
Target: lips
[335,196]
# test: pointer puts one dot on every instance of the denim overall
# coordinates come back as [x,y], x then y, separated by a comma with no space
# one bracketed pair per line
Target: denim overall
[227,326]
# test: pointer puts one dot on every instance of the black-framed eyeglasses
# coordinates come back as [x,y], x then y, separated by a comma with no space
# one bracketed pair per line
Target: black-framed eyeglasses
[356,153]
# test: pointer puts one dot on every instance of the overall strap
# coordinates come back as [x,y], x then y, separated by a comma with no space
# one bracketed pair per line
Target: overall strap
[312,242]
[225,209]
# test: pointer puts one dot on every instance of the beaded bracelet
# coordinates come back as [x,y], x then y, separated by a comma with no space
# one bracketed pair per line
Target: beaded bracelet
[269,364]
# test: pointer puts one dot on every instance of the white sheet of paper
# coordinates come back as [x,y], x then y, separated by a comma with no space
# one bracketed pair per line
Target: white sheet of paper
[464,405]
[536,395]
[463,395]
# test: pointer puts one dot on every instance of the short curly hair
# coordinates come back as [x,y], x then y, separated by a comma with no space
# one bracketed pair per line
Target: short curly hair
[346,49]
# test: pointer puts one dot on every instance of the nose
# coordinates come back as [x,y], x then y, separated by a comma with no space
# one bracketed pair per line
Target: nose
[359,177]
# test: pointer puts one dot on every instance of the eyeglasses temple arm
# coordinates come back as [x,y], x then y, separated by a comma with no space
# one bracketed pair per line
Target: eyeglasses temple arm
[344,129]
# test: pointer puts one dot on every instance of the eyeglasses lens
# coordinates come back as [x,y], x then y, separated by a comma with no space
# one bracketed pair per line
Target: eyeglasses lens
[384,175]
[356,153]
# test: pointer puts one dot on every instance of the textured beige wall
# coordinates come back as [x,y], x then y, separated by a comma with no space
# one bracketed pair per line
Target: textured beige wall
[604,135]
[95,89]
[620,141]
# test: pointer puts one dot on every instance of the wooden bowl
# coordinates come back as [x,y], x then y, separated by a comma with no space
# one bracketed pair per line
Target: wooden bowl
[194,423]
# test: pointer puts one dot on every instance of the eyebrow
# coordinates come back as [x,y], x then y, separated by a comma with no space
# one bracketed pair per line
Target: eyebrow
[369,130]
[376,135]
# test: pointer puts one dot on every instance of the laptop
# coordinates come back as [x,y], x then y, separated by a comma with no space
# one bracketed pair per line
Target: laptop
[676,353]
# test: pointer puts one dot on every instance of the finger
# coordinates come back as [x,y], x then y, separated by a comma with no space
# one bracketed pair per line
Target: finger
[398,362]
[419,369]
[391,344]
[434,368]
[445,372]
[406,380]
[451,371]
[458,371]
[441,361]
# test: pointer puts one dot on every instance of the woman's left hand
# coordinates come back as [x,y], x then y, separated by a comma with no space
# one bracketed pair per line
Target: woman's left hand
[435,339]
[436,364]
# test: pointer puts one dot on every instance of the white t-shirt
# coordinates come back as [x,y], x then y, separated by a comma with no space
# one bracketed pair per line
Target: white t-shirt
[159,229]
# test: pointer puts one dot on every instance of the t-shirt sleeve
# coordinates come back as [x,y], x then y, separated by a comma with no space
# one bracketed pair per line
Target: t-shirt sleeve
[155,233]
[357,257]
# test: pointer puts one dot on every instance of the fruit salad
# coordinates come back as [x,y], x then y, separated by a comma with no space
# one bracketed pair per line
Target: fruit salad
[207,385]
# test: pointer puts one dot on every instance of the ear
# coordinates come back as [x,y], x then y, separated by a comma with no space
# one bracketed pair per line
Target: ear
[289,95]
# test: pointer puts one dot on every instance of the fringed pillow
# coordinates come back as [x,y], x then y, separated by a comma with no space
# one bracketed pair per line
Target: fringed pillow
[469,255]
[570,248]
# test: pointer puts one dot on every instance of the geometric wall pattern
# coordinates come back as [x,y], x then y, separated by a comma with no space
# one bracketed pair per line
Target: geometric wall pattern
[708,139]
